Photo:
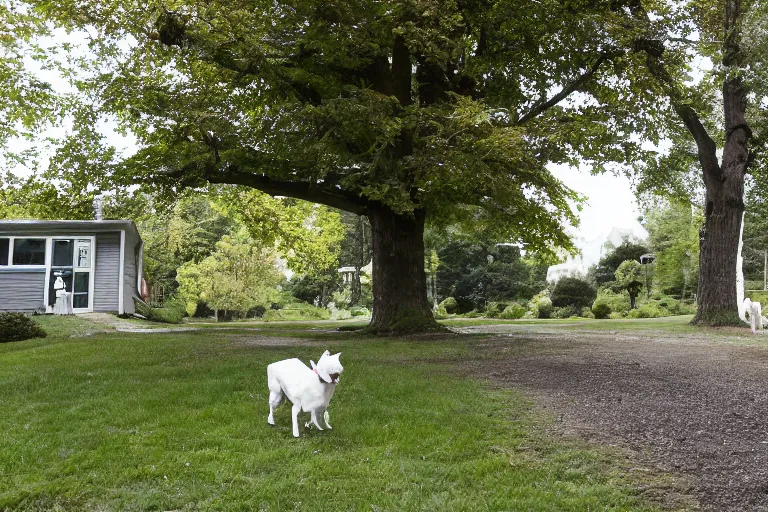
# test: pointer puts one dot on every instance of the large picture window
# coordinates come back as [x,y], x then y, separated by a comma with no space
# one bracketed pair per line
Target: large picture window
[4,246]
[29,251]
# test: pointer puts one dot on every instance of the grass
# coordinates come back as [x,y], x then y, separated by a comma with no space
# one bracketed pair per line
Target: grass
[116,421]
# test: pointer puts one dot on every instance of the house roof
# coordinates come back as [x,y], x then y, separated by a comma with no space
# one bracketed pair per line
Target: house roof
[53,227]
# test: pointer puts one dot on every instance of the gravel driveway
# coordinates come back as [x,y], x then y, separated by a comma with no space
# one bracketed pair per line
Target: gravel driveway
[682,403]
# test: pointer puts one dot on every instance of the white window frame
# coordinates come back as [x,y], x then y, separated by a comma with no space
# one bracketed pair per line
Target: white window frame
[12,242]
[49,260]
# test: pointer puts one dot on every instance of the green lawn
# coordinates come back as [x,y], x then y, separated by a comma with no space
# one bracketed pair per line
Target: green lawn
[114,421]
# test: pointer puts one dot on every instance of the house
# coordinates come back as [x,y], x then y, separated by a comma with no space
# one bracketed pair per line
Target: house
[99,262]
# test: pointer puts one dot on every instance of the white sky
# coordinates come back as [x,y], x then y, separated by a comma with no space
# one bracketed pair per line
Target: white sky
[611,202]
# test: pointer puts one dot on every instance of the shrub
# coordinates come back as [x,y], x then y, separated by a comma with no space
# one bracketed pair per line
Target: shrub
[513,311]
[543,307]
[18,327]
[651,310]
[472,314]
[440,313]
[618,302]
[572,291]
[586,312]
[172,312]
[601,309]
[257,311]
[299,311]
[565,312]
[360,311]
[450,305]
[616,316]
[494,309]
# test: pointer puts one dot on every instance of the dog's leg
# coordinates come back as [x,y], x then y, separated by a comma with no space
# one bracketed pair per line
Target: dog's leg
[314,420]
[295,414]
[325,419]
[275,399]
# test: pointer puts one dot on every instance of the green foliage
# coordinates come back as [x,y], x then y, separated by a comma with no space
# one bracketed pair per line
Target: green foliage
[566,312]
[629,276]
[513,311]
[296,312]
[618,302]
[172,312]
[236,277]
[18,327]
[673,233]
[601,309]
[440,312]
[757,296]
[542,307]
[450,305]
[475,273]
[494,309]
[606,267]
[572,291]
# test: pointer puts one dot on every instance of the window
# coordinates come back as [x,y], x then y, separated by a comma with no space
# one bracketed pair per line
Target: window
[4,244]
[29,251]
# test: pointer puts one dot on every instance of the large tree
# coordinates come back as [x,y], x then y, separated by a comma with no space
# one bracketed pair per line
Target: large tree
[405,112]
[716,114]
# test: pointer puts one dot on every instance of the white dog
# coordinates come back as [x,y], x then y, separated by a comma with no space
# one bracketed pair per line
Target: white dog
[308,390]
[755,313]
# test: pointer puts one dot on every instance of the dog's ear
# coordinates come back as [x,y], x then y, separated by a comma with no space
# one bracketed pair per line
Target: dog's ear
[337,355]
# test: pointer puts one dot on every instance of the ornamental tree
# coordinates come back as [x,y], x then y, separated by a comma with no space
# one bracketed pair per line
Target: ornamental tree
[629,276]
[406,112]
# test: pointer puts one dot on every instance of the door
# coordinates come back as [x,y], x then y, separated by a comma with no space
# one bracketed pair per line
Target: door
[81,290]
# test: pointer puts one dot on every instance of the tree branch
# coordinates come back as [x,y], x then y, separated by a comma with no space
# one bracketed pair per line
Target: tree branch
[327,195]
[544,105]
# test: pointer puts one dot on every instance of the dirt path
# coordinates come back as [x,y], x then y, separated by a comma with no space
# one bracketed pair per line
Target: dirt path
[681,403]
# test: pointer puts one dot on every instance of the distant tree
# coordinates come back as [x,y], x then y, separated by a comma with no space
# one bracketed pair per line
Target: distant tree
[475,273]
[673,236]
[239,275]
[572,291]
[606,267]
[630,276]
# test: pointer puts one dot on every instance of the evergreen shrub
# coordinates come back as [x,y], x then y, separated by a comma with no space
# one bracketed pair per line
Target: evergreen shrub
[572,291]
[18,327]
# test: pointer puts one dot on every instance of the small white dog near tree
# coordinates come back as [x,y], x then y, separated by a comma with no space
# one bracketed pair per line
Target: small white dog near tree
[309,390]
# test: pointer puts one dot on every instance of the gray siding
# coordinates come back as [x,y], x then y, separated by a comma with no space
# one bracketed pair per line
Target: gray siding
[22,291]
[107,272]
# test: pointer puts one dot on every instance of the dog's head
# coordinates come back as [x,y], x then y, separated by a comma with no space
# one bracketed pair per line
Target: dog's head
[328,367]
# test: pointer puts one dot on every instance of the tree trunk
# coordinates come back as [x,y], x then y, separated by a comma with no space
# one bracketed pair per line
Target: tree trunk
[719,240]
[400,300]
[719,244]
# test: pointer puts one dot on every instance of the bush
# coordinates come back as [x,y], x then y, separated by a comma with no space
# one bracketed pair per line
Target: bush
[360,311]
[618,302]
[543,308]
[18,327]
[172,312]
[341,314]
[565,312]
[257,311]
[440,313]
[299,311]
[472,314]
[450,305]
[513,311]
[651,310]
[572,291]
[601,309]
[495,309]
[586,312]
